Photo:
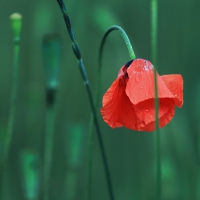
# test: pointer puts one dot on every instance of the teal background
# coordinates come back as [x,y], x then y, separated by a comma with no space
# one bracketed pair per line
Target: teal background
[131,155]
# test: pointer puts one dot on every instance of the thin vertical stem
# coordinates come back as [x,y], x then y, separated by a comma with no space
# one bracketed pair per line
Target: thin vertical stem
[154,60]
[16,26]
[90,154]
[77,53]
[154,31]
[48,150]
[101,146]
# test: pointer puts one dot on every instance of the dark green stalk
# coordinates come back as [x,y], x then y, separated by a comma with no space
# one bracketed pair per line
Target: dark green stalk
[154,60]
[77,53]
[48,141]
[16,26]
[30,173]
[90,154]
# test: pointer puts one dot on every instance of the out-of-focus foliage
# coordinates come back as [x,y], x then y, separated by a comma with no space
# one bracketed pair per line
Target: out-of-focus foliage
[130,154]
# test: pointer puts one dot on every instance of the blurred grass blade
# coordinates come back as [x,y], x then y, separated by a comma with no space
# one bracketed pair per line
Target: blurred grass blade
[170,179]
[76,138]
[30,174]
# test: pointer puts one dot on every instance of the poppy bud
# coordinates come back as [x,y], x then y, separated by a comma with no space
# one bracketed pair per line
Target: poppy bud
[16,24]
[51,47]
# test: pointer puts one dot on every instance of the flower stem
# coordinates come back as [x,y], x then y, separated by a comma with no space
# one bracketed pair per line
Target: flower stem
[132,56]
[90,154]
[16,23]
[125,37]
[128,45]
[154,60]
[90,143]
[77,53]
[154,31]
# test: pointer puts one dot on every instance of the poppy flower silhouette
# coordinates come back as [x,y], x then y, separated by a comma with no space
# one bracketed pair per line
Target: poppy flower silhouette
[130,99]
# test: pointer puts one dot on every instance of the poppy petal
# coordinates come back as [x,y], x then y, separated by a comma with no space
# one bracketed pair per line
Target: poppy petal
[117,109]
[146,113]
[174,83]
[140,85]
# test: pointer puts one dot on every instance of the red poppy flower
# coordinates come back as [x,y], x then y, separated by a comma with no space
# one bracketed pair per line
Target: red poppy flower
[129,101]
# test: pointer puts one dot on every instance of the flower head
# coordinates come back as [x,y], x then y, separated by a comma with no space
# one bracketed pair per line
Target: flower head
[130,99]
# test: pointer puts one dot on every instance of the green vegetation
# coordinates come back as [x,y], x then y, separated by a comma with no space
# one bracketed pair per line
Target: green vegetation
[44,148]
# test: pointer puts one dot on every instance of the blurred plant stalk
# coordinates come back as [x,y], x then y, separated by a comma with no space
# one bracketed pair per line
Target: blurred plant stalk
[51,48]
[76,138]
[16,24]
[30,174]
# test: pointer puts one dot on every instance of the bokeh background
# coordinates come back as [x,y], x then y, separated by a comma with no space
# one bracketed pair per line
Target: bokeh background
[131,155]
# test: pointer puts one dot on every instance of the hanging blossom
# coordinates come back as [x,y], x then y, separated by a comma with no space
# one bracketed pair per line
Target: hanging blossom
[130,100]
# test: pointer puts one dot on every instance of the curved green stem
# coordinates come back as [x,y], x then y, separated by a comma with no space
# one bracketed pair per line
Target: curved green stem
[90,143]
[125,37]
[128,45]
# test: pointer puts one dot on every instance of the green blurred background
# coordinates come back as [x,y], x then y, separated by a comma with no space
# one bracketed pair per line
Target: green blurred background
[131,155]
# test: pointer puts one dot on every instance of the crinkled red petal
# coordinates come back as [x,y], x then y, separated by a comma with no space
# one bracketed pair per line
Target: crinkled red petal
[174,83]
[130,102]
[140,86]
[117,109]
[146,113]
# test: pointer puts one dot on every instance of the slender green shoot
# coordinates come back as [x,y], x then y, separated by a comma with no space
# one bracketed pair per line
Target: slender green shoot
[154,23]
[16,23]
[77,53]
[90,155]
[48,149]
